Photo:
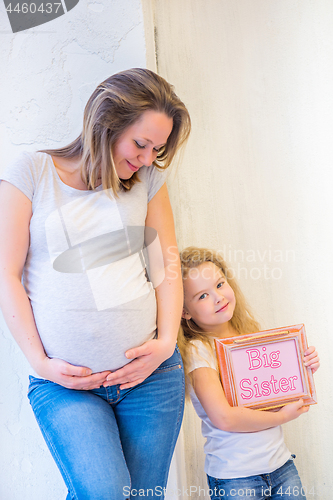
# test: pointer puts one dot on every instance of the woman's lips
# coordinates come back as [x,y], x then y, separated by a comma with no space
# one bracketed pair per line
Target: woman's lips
[132,167]
[223,308]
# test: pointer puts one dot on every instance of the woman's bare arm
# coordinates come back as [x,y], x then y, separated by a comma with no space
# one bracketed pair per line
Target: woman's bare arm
[16,212]
[169,296]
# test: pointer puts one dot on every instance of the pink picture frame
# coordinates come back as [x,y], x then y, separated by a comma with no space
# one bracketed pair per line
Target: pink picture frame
[265,370]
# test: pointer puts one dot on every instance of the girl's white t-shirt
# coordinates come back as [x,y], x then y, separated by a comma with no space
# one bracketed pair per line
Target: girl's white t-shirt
[235,454]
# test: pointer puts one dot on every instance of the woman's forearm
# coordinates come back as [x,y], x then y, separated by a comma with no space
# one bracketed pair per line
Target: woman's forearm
[169,297]
[147,357]
[18,315]
[16,212]
[165,266]
[17,312]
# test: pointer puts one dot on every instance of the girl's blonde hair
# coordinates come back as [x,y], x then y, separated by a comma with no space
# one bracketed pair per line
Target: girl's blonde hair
[242,320]
[116,104]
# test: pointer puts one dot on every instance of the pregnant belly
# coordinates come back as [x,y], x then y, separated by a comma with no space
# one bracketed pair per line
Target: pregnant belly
[98,356]
[96,340]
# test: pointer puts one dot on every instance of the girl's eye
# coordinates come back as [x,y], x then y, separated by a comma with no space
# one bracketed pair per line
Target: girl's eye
[139,145]
[203,296]
[220,284]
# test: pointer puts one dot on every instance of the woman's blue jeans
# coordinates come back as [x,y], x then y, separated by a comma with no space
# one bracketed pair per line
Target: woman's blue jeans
[283,483]
[113,444]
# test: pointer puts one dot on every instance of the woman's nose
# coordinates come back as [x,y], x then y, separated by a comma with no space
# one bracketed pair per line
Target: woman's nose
[147,157]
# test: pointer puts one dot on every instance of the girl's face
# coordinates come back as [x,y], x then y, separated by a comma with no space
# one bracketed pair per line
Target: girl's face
[140,143]
[209,299]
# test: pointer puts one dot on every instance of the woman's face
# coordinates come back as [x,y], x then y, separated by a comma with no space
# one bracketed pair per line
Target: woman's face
[140,143]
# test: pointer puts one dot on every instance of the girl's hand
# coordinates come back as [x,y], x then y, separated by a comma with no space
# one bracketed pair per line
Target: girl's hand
[71,376]
[293,410]
[311,359]
[146,358]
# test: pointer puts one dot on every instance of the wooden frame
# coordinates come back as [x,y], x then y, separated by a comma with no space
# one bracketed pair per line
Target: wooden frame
[265,370]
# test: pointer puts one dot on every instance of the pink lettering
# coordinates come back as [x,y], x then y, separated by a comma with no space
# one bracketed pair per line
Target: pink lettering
[265,388]
[284,384]
[254,358]
[256,386]
[274,356]
[266,365]
[273,383]
[291,380]
[254,389]
[270,361]
[247,389]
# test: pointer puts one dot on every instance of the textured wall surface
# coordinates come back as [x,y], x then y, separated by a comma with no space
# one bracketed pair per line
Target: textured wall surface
[47,74]
[256,179]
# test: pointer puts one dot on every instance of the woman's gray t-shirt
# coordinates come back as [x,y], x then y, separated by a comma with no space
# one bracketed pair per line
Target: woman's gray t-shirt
[85,270]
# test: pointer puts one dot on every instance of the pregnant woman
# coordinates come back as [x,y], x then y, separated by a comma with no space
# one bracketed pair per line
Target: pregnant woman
[91,289]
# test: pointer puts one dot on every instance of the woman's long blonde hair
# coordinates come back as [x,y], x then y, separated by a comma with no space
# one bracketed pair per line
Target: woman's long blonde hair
[242,320]
[116,104]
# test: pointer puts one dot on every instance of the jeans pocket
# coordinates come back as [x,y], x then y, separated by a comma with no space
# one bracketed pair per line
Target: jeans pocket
[38,392]
[35,382]
[173,363]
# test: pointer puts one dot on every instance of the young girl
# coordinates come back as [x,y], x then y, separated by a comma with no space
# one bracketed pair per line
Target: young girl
[245,451]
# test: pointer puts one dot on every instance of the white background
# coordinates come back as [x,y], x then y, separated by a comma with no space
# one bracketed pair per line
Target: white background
[255,181]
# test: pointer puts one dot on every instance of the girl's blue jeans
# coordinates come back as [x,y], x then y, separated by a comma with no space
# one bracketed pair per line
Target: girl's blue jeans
[112,444]
[283,483]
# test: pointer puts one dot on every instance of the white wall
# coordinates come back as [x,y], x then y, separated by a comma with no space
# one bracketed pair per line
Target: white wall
[47,75]
[256,180]
[257,77]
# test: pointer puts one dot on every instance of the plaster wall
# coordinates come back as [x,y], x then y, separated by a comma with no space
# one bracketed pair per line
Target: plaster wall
[254,182]
[256,178]
[47,75]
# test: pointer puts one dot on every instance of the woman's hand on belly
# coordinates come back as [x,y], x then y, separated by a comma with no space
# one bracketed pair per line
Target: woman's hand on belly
[146,358]
[71,376]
